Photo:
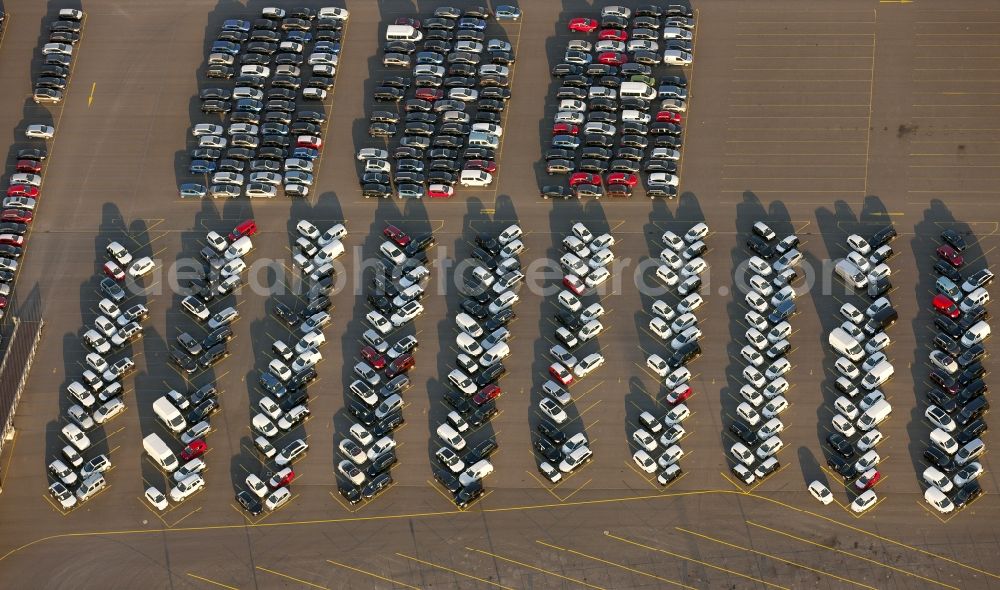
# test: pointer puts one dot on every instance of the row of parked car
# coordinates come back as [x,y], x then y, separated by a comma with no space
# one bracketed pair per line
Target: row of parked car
[375,397]
[957,400]
[606,123]
[268,143]
[862,368]
[585,264]
[97,396]
[57,56]
[451,120]
[681,265]
[490,294]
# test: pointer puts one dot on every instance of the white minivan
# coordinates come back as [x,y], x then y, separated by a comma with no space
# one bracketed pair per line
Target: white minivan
[475,177]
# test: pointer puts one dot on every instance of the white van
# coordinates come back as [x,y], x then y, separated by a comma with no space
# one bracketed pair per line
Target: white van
[879,374]
[634,116]
[475,177]
[169,416]
[495,354]
[91,486]
[845,344]
[160,452]
[329,252]
[403,33]
[977,333]
[239,248]
[467,324]
[482,139]
[450,437]
[874,415]
[851,274]
[636,89]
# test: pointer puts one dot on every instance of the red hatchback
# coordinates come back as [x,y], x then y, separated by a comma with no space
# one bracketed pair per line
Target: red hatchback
[612,58]
[400,366]
[668,117]
[17,215]
[560,373]
[397,235]
[372,356]
[114,271]
[945,306]
[246,228]
[613,35]
[195,449]
[868,479]
[679,394]
[574,284]
[440,191]
[486,394]
[31,166]
[487,165]
[951,255]
[582,25]
[622,178]
[12,240]
[22,190]
[565,129]
[430,94]
[584,178]
[405,20]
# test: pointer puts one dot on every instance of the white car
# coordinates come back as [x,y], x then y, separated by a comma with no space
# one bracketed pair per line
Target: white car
[155,497]
[756,302]
[820,492]
[379,322]
[678,376]
[186,487]
[846,408]
[657,364]
[869,440]
[190,468]
[938,500]
[76,437]
[592,312]
[970,472]
[864,501]
[942,360]
[742,454]
[588,364]
[552,410]
[644,439]
[644,461]
[351,472]
[843,425]
[40,131]
[858,244]
[278,498]
[769,447]
[676,415]
[692,334]
[690,303]
[774,407]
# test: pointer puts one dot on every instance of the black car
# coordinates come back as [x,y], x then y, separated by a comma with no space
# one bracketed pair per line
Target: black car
[381,303]
[972,410]
[944,269]
[760,247]
[684,354]
[490,374]
[449,481]
[482,414]
[971,391]
[939,459]
[967,493]
[376,485]
[203,410]
[182,360]
[32,154]
[837,442]
[971,373]
[381,463]
[947,344]
[499,319]
[481,451]
[565,69]
[570,320]
[551,452]
[954,239]
[285,314]
[974,430]
[972,316]
[941,400]
[213,355]
[552,432]
[944,380]
[303,379]
[249,503]
[458,401]
[379,191]
[948,326]
[272,384]
[842,467]
[882,237]
[468,494]
[744,432]
[388,424]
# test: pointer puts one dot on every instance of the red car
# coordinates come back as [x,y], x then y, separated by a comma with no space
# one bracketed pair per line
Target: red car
[397,235]
[22,190]
[951,255]
[430,94]
[440,191]
[309,141]
[403,20]
[12,240]
[613,35]
[945,306]
[622,178]
[584,178]
[486,394]
[31,166]
[114,271]
[487,165]
[574,284]
[679,394]
[560,373]
[400,366]
[612,58]
[3,303]
[195,449]
[281,478]
[868,479]
[668,117]
[16,215]
[565,129]
[245,228]
[582,25]
[372,356]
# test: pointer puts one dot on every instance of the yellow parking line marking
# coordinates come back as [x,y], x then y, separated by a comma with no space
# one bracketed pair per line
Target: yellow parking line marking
[537,569]
[618,565]
[571,494]
[220,584]
[286,576]
[842,552]
[698,561]
[775,557]
[454,571]
[372,574]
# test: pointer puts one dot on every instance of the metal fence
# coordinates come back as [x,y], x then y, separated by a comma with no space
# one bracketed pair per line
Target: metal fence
[19,338]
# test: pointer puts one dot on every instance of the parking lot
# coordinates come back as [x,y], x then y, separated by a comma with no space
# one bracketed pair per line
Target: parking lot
[822,121]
